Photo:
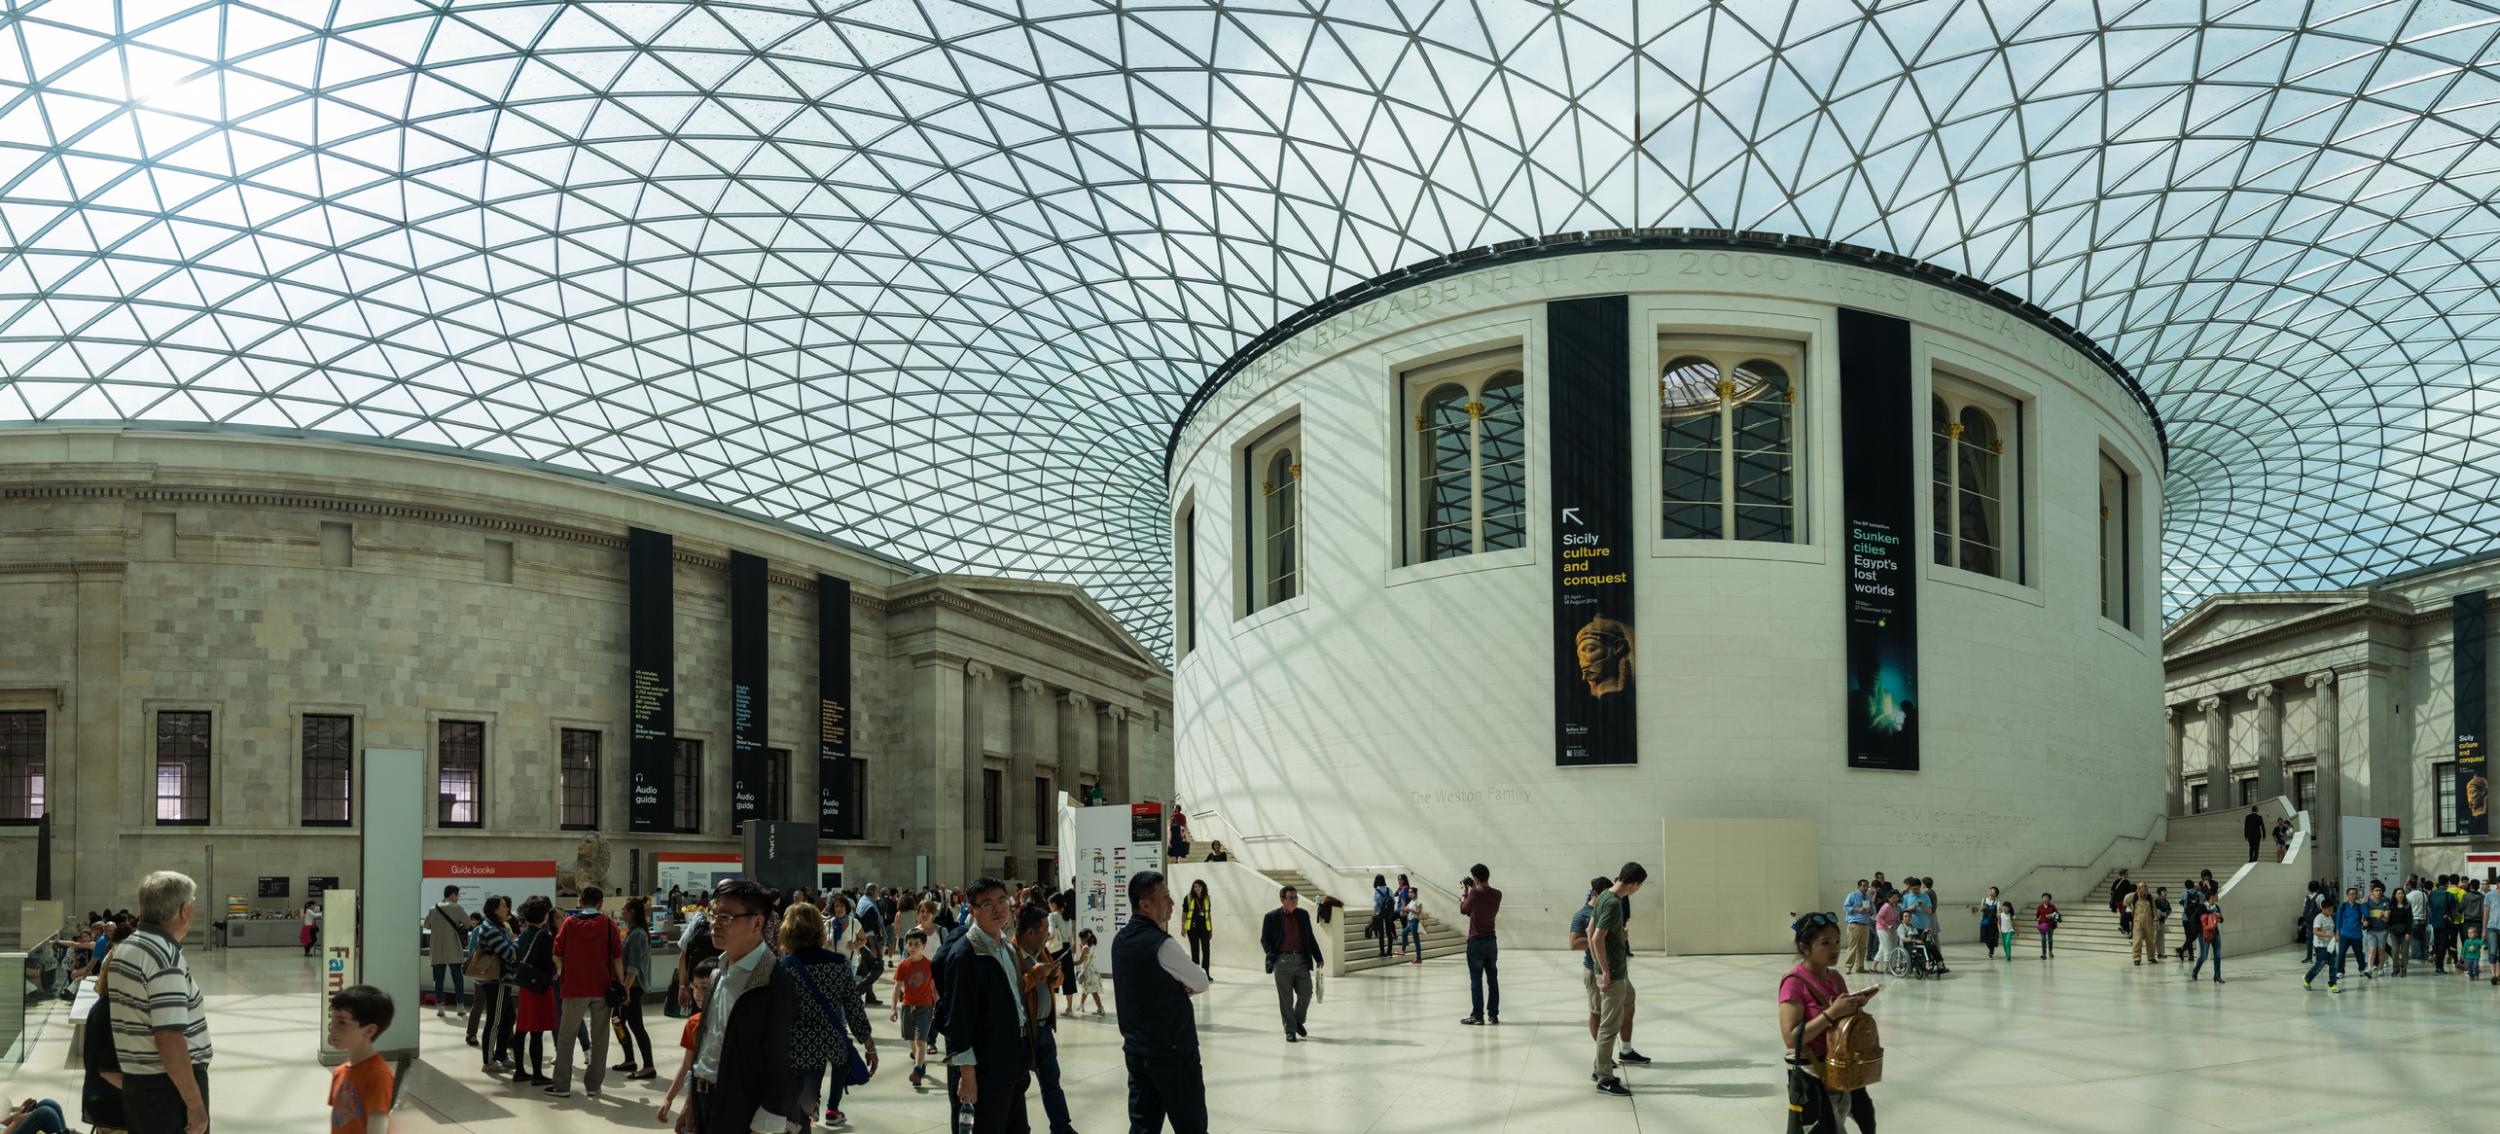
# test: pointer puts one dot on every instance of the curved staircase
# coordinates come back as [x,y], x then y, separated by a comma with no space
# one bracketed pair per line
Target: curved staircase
[1358,953]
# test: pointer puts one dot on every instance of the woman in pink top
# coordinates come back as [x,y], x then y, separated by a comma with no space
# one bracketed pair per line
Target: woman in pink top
[1817,996]
[1887,930]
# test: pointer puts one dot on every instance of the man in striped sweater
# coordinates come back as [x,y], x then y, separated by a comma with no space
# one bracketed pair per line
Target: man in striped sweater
[160,1033]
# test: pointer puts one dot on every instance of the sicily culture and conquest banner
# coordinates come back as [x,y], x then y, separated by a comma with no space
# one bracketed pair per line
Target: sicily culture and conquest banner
[2467,663]
[1591,473]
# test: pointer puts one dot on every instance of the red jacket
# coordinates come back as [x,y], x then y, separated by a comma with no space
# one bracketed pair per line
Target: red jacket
[589,950]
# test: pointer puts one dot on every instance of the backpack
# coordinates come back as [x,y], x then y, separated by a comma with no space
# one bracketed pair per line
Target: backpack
[1853,1051]
[2209,923]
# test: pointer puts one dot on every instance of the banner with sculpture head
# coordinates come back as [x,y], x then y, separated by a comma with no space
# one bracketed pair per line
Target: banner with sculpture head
[1591,473]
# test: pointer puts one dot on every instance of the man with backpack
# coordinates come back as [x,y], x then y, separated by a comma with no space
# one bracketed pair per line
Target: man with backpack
[589,958]
[2191,918]
[2208,936]
[2443,924]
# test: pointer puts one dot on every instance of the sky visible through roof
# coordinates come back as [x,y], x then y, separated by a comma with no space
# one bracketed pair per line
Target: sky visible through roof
[935,277]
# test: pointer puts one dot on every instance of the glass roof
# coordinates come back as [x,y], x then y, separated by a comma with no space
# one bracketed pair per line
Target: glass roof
[935,276]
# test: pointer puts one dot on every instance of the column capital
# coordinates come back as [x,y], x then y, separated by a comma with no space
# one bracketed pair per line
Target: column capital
[1075,699]
[2320,678]
[978,671]
[1115,712]
[2262,692]
[1028,685]
[2209,704]
[2170,712]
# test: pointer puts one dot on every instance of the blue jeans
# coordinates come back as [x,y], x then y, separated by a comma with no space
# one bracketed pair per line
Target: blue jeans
[2324,958]
[1414,927]
[459,973]
[2421,942]
[2048,940]
[1046,1077]
[1484,978]
[2206,950]
[2347,948]
[44,1119]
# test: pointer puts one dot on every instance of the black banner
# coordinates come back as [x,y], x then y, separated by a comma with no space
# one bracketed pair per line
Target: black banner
[837,808]
[1879,518]
[1591,473]
[651,698]
[2470,652]
[750,666]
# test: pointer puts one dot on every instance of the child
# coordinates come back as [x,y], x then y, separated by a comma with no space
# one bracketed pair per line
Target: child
[915,1002]
[360,1089]
[2005,928]
[702,993]
[2470,951]
[1088,970]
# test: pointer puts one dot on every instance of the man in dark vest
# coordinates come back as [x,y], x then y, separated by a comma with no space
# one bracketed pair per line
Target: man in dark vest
[1152,979]
[2255,828]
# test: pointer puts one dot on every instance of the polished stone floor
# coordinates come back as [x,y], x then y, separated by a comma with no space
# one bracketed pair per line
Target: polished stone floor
[2079,1044]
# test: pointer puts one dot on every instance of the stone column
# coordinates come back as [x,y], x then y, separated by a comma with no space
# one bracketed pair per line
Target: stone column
[1023,839]
[976,740]
[109,787]
[1110,720]
[1076,739]
[2326,833]
[2217,752]
[947,693]
[2174,760]
[2269,740]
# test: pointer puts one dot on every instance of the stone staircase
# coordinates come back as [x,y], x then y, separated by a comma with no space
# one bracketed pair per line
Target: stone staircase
[2087,926]
[1356,952]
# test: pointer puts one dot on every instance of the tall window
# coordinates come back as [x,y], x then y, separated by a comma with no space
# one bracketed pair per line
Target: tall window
[1045,811]
[2444,797]
[2305,790]
[1972,445]
[993,806]
[578,779]
[329,770]
[2200,796]
[2246,788]
[1727,445]
[181,769]
[2117,525]
[1467,469]
[459,772]
[1274,508]
[776,784]
[21,767]
[688,772]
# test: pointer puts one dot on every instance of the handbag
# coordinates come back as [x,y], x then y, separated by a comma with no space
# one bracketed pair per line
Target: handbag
[1853,1052]
[483,964]
[530,977]
[855,1069]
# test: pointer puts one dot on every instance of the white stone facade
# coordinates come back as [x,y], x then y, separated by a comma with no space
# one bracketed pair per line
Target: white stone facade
[1404,713]
[2355,687]
[146,570]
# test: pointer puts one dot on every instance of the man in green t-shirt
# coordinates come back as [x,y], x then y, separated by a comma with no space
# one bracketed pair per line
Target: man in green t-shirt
[1609,954]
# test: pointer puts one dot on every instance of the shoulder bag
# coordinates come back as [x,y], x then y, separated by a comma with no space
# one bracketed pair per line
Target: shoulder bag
[855,1069]
[484,965]
[526,973]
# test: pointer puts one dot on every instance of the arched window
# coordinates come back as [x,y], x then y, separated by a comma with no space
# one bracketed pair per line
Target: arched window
[1467,488]
[1970,451]
[1727,447]
[1272,505]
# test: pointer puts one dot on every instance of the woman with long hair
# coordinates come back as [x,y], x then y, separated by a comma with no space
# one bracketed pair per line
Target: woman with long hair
[487,1004]
[1384,912]
[535,1016]
[1198,923]
[636,924]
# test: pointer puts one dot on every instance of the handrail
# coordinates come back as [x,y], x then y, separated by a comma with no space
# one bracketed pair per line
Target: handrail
[1414,878]
[2017,886]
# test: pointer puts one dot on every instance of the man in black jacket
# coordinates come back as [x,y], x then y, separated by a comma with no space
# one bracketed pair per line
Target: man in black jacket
[2255,828]
[981,1013]
[1292,955]
[1152,979]
[743,1083]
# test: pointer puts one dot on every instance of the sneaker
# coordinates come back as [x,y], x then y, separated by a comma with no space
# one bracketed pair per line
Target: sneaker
[592,1092]
[1627,1055]
[915,1077]
[834,1116]
[2304,985]
[560,1092]
[2337,989]
[1612,1087]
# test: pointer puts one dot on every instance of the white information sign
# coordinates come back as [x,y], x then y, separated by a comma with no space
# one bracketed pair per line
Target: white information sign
[2373,849]
[1102,848]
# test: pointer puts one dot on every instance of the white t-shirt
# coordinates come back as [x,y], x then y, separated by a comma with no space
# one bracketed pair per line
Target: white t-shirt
[2322,926]
[2420,900]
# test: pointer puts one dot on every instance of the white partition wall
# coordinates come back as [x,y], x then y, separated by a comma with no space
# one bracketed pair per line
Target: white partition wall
[393,898]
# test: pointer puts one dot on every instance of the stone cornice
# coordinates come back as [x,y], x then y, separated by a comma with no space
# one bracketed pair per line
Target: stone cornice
[69,566]
[2361,607]
[926,594]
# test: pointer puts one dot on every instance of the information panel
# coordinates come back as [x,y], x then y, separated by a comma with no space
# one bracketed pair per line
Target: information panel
[2471,651]
[1105,847]
[750,662]
[1879,519]
[837,805]
[1590,466]
[651,700]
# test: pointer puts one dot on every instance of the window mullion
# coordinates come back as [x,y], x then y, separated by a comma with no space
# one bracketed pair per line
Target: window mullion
[1727,456]
[1475,471]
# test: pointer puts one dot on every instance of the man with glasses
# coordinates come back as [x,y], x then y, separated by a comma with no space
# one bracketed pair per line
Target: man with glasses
[743,1081]
[981,1012]
[1152,979]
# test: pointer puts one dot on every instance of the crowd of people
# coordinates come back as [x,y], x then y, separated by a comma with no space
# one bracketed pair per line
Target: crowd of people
[2444,920]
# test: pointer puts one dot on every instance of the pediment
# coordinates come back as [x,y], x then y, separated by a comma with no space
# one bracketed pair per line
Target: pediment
[1061,608]
[2226,617]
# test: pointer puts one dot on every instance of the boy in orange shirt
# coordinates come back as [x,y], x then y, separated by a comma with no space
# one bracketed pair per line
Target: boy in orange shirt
[701,988]
[360,1089]
[915,1001]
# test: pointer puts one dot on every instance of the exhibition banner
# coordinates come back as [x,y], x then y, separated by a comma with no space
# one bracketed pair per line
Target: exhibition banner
[750,663]
[1590,470]
[651,699]
[837,798]
[2470,652]
[1879,519]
